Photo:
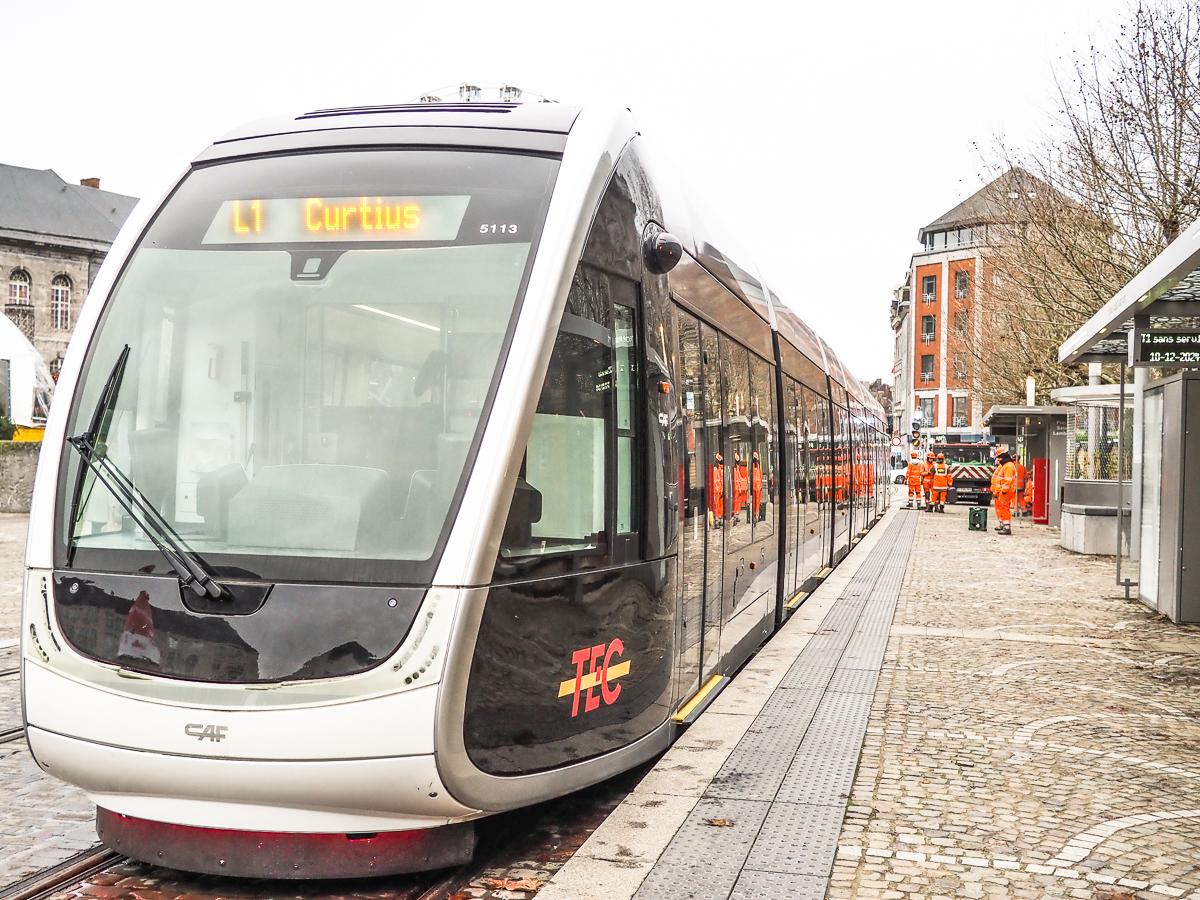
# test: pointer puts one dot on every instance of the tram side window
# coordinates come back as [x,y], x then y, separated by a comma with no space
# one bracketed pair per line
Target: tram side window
[560,497]
[584,430]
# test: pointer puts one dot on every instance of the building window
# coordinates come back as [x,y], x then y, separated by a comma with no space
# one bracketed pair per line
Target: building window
[19,286]
[960,323]
[927,368]
[962,285]
[928,329]
[939,241]
[928,411]
[960,414]
[56,366]
[929,288]
[60,302]
[19,307]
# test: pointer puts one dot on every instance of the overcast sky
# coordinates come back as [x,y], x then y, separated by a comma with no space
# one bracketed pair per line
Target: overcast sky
[825,137]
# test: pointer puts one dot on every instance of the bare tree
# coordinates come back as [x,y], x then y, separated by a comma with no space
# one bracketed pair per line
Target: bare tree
[1117,179]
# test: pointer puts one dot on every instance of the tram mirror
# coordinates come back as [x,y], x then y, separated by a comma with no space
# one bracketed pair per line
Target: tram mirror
[662,251]
[523,514]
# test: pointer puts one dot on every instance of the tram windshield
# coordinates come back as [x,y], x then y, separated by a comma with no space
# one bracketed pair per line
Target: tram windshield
[312,343]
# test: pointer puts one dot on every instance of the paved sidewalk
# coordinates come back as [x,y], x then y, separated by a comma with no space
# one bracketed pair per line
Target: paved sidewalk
[1032,734]
[749,802]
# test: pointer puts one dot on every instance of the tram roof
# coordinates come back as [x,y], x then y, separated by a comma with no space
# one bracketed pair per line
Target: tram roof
[551,118]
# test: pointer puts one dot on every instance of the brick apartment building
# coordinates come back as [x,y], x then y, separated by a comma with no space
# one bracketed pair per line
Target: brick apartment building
[53,237]
[936,315]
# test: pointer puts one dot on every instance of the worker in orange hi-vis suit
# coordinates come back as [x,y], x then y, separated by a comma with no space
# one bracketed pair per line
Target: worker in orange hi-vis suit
[1024,486]
[716,490]
[942,480]
[758,513]
[927,479]
[741,486]
[914,480]
[1004,489]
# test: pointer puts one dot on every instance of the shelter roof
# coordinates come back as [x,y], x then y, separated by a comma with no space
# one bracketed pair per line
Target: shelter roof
[1167,290]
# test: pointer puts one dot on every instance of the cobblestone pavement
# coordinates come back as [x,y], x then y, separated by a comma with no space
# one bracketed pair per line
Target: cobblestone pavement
[1033,733]
[42,821]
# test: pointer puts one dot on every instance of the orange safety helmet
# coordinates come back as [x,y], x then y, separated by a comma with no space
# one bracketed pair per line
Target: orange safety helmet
[942,456]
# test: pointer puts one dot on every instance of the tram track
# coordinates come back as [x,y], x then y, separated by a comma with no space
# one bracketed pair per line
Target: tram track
[49,881]
[510,847]
[8,735]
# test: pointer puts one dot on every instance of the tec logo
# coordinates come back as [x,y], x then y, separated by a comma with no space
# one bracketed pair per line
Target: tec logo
[594,667]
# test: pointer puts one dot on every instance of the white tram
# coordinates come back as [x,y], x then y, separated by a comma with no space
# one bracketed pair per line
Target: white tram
[412,464]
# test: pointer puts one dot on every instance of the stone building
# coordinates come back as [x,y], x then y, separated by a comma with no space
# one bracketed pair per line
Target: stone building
[53,237]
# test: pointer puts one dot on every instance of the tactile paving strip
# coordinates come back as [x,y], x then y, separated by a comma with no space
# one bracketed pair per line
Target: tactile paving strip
[799,838]
[703,860]
[865,651]
[807,676]
[822,778]
[853,681]
[751,774]
[796,705]
[752,885]
[781,795]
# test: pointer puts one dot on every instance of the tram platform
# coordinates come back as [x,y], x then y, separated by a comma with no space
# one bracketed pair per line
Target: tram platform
[950,714]
[749,802]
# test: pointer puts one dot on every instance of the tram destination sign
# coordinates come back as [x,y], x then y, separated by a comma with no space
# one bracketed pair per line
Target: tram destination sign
[323,219]
[1175,348]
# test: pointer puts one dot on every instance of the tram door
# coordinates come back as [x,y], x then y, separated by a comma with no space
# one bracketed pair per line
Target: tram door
[695,525]
[720,500]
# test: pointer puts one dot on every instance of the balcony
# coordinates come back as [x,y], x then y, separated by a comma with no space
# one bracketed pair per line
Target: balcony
[928,337]
[927,378]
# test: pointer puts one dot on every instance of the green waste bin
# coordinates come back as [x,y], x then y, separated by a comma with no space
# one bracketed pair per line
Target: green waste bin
[977,518]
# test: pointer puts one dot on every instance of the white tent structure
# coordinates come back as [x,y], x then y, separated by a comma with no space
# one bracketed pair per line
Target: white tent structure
[25,383]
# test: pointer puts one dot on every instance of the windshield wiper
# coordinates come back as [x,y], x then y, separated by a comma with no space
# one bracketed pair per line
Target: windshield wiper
[190,568]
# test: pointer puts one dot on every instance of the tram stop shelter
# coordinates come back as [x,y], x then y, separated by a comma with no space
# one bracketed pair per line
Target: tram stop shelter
[1152,327]
[1037,437]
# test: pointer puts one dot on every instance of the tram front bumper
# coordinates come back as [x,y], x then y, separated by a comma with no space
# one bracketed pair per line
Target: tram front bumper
[347,795]
[349,767]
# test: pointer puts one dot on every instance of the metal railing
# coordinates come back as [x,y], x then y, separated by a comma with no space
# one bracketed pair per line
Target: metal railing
[960,422]
[928,337]
[928,298]
[926,377]
[961,293]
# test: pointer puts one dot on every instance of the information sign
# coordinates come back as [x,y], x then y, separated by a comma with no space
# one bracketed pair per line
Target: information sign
[1165,349]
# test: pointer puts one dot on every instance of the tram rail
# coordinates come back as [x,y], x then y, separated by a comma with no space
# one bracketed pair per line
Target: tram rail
[11,734]
[49,881]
